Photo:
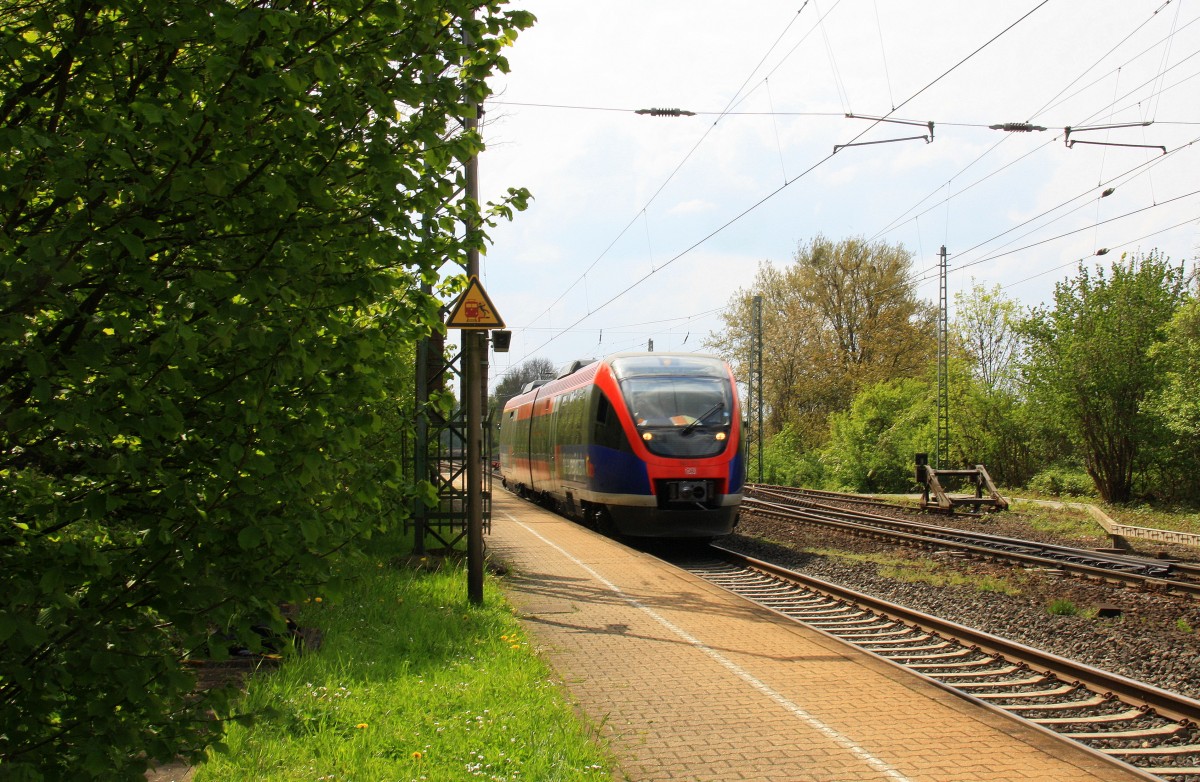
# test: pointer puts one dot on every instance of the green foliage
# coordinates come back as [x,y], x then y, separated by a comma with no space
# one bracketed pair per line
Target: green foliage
[1177,404]
[1063,481]
[992,427]
[871,445]
[409,684]
[518,377]
[989,420]
[217,218]
[844,315]
[786,462]
[1060,606]
[985,328]
[1091,367]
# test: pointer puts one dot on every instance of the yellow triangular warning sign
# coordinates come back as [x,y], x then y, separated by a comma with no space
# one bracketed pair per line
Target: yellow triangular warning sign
[474,310]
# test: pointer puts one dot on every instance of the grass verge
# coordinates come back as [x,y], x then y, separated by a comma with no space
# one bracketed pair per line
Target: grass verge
[411,683]
[925,571]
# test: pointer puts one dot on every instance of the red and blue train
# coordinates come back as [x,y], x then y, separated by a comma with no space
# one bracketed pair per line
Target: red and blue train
[634,444]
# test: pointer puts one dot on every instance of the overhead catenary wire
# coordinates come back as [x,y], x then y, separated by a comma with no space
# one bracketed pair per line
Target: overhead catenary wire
[811,168]
[928,274]
[1110,106]
[1072,232]
[1159,88]
[1055,101]
[1128,173]
[678,167]
[1107,250]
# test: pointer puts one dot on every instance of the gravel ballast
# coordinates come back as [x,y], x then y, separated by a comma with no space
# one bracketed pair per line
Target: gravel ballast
[1154,639]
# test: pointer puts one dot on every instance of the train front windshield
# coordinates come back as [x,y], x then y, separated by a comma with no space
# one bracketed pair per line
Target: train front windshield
[682,406]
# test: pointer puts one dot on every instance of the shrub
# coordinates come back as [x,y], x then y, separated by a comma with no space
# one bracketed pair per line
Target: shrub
[1063,481]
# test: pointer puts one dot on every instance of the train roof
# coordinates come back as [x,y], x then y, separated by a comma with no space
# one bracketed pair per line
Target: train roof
[627,364]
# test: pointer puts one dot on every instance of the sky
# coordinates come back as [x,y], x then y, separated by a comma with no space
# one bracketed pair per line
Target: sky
[643,228]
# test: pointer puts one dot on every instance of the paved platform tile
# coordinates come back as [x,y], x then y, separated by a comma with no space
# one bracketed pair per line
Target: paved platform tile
[692,683]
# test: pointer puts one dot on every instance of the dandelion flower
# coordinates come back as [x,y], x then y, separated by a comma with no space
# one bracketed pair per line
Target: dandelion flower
[516,646]
[417,755]
[361,725]
[316,599]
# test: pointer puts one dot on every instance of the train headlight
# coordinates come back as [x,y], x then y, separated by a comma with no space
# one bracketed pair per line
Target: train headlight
[647,436]
[720,436]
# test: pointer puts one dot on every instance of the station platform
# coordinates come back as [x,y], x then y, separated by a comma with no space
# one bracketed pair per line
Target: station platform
[686,681]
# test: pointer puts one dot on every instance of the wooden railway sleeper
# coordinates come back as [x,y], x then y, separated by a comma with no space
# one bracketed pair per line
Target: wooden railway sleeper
[767,593]
[981,674]
[794,609]
[940,667]
[1173,771]
[832,624]
[796,594]
[836,609]
[883,647]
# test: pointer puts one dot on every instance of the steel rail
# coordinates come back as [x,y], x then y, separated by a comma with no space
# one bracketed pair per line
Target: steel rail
[1153,567]
[1170,705]
[893,529]
[1013,679]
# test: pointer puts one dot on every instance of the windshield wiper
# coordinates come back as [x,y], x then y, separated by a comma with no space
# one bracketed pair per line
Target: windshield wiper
[692,426]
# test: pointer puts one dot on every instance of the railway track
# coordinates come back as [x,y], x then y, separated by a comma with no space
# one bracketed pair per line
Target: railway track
[1151,729]
[817,494]
[1150,574]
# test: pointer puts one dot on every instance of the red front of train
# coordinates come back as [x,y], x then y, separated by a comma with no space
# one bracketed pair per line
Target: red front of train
[640,444]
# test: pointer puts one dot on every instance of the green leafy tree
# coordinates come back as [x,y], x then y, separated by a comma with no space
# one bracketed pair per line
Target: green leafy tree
[785,461]
[989,421]
[871,445]
[992,428]
[518,377]
[1177,403]
[986,329]
[844,315]
[216,220]
[1090,366]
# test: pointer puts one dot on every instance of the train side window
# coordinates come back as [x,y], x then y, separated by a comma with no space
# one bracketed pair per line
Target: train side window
[606,428]
[603,408]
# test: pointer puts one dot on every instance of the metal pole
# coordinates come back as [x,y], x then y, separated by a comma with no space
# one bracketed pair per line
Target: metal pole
[943,370]
[758,361]
[421,452]
[474,367]
[748,416]
[473,359]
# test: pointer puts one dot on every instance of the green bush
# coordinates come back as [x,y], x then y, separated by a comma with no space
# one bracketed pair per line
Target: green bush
[785,462]
[1063,482]
[871,445]
[218,221]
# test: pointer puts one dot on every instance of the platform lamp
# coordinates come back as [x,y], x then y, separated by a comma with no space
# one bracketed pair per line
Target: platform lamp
[501,338]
